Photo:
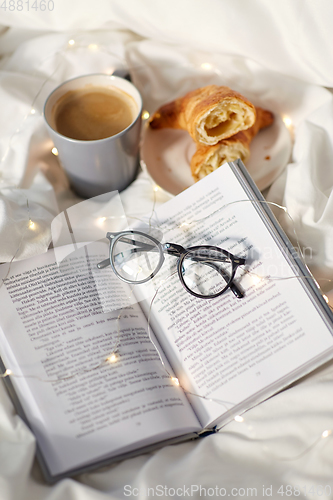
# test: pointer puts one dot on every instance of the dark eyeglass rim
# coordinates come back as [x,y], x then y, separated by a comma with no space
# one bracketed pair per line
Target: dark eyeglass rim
[236,262]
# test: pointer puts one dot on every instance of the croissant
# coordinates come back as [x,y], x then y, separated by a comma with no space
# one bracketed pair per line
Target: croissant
[209,114]
[206,159]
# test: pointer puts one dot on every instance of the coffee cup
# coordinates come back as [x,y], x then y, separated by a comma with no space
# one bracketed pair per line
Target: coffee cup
[94,122]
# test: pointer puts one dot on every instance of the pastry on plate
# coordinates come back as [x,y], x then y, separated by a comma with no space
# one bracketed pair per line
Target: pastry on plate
[209,114]
[209,158]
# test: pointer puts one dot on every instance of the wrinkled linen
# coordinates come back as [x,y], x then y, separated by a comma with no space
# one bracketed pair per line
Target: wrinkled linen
[283,62]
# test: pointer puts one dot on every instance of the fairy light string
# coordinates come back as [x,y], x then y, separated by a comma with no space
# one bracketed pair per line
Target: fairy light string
[227,404]
[327,433]
[71,45]
[29,226]
[33,110]
[112,358]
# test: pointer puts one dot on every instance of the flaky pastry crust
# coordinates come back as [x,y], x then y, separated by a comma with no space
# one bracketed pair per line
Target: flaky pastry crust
[209,114]
[206,159]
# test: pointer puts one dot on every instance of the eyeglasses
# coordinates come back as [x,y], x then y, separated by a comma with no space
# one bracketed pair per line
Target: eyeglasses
[204,271]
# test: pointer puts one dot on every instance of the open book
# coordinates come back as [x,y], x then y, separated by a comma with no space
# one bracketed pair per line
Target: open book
[97,383]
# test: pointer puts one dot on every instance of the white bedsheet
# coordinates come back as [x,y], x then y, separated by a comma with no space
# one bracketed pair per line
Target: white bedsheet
[280,56]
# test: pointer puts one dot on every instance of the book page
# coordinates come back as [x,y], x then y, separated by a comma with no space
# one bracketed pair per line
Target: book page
[90,382]
[227,351]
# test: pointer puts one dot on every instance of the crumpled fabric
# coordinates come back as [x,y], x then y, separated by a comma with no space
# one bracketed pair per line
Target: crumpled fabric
[281,58]
[162,72]
[292,38]
[25,220]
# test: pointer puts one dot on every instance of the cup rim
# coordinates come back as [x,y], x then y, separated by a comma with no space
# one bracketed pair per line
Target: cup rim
[93,141]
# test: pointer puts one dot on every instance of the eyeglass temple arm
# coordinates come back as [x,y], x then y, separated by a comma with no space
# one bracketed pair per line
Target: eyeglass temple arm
[236,290]
[103,264]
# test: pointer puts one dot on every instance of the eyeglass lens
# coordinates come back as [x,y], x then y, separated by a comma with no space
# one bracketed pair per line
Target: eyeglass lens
[135,257]
[206,272]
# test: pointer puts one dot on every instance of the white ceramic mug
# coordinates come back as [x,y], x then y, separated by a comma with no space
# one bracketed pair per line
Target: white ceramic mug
[98,166]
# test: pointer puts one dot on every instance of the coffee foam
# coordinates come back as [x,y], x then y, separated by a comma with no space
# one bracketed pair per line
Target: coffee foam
[94,113]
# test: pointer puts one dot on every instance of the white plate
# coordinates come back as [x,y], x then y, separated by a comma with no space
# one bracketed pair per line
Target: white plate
[166,154]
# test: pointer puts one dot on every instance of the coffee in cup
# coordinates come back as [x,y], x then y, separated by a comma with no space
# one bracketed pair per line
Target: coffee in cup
[94,113]
[94,122]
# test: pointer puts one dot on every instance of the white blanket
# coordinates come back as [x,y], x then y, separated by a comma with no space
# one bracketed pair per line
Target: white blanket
[280,57]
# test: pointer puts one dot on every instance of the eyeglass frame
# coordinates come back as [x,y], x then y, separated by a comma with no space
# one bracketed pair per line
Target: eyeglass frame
[177,251]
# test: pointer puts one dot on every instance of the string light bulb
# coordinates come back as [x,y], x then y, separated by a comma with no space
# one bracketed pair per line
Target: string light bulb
[238,418]
[112,359]
[287,121]
[145,115]
[256,280]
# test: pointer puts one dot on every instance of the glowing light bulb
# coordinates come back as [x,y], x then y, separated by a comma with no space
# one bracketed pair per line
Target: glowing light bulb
[54,151]
[156,188]
[112,359]
[102,219]
[175,380]
[71,42]
[256,279]
[238,418]
[7,372]
[206,66]
[31,224]
[32,111]
[326,433]
[287,121]
[145,115]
